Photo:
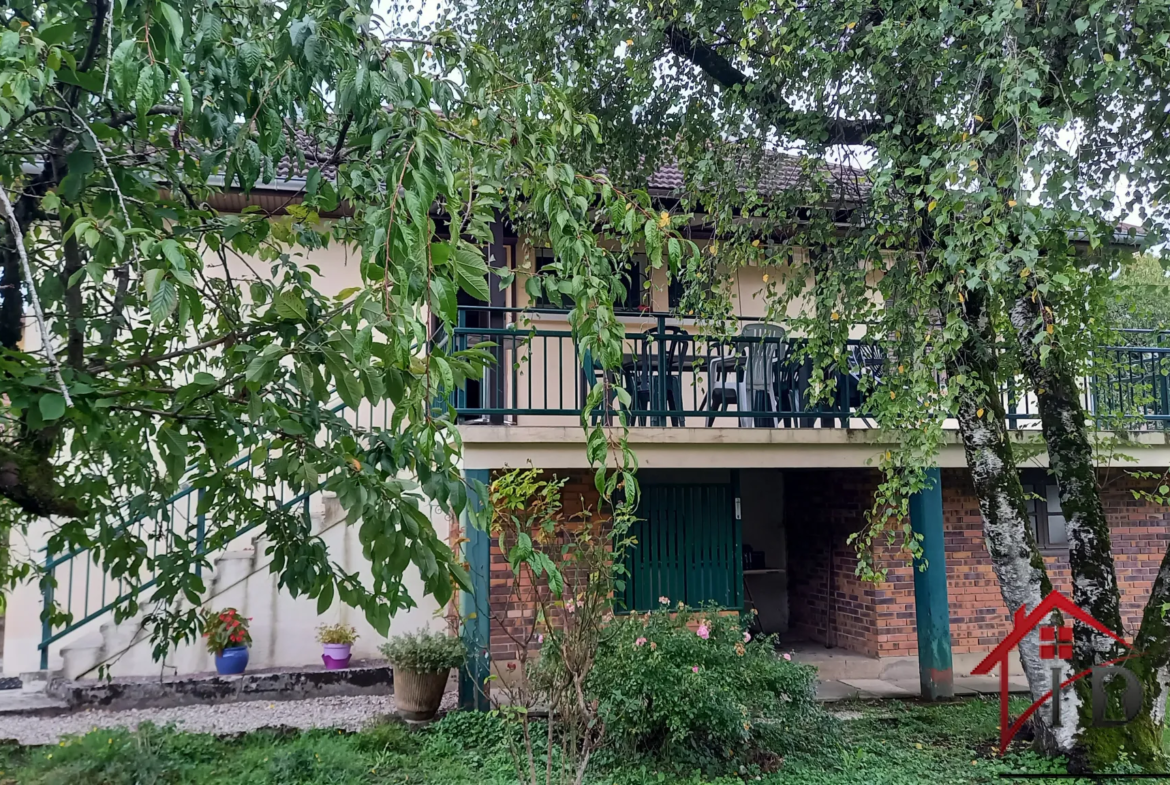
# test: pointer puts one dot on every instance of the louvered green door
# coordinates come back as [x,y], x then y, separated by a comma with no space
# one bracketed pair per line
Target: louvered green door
[688,548]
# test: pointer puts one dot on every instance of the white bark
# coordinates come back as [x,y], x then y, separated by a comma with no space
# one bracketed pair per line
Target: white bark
[46,338]
[1006,533]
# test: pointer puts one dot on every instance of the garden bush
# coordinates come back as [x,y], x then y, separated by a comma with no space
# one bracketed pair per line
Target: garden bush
[693,687]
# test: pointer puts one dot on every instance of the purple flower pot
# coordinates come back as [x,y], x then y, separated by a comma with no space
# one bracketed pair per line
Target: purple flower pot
[231,661]
[336,656]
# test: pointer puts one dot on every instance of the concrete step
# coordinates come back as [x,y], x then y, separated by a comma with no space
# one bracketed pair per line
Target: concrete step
[20,702]
[367,678]
[37,681]
[83,655]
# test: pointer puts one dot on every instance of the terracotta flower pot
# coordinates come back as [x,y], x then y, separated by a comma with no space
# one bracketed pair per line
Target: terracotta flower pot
[418,695]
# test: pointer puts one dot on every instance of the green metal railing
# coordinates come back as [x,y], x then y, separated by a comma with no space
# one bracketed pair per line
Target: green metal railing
[84,592]
[683,379]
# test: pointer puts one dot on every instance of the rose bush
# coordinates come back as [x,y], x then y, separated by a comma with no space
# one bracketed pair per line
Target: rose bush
[694,687]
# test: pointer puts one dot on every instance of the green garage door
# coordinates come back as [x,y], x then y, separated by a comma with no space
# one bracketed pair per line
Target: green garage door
[688,548]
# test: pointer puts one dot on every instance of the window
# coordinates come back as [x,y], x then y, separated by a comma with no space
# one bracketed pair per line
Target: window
[633,281]
[1047,519]
[675,292]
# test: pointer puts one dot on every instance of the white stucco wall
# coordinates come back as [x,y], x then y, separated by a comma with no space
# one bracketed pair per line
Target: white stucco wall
[283,628]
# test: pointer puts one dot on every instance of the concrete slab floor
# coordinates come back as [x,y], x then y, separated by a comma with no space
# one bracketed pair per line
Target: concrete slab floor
[832,690]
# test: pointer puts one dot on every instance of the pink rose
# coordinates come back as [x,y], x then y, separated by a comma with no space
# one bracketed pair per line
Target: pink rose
[747,637]
[664,601]
[695,669]
[540,638]
[787,656]
[640,642]
[703,632]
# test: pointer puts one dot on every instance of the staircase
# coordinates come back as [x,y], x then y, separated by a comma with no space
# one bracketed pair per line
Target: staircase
[240,578]
[283,628]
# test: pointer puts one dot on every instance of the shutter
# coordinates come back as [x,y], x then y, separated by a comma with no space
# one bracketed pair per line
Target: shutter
[688,547]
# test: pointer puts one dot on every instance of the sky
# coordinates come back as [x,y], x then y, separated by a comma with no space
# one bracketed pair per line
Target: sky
[426,12]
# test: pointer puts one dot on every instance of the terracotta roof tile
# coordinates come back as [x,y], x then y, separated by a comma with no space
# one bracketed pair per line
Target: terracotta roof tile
[774,172]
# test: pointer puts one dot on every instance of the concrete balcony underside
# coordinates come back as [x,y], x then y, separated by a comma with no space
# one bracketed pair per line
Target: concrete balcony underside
[563,447]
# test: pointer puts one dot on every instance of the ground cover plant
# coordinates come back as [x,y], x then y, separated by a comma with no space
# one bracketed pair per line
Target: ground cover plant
[883,743]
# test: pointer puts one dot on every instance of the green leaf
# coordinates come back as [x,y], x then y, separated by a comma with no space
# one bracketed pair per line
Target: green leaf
[57,34]
[52,406]
[325,598]
[90,80]
[380,137]
[163,301]
[185,90]
[289,305]
[348,386]
[152,278]
[471,272]
[124,68]
[175,21]
[149,90]
[444,300]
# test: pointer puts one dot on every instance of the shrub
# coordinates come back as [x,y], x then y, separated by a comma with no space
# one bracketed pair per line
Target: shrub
[337,634]
[225,629]
[693,687]
[425,651]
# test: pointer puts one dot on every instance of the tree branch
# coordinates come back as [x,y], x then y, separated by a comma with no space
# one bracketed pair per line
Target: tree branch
[28,482]
[689,47]
[121,118]
[46,337]
[158,358]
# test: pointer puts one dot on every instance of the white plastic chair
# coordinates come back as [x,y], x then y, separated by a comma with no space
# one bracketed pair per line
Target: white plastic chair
[740,376]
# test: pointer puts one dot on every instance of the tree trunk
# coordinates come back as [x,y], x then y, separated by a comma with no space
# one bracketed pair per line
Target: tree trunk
[1023,580]
[1095,591]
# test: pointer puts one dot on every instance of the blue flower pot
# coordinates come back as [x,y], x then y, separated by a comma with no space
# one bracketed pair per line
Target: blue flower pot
[231,661]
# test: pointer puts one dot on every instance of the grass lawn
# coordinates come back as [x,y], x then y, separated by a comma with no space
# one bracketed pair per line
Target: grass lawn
[887,743]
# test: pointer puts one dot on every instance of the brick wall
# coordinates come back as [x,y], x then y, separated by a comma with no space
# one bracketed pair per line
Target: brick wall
[830,604]
[824,506]
[827,602]
[514,608]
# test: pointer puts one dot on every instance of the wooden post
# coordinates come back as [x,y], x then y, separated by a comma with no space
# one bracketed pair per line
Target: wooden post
[930,593]
[473,608]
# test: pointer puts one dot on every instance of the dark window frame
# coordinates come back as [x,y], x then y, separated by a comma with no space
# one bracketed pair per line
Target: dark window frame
[1043,485]
[635,291]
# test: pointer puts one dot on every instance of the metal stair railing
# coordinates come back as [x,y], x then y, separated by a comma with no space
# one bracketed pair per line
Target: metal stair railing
[104,593]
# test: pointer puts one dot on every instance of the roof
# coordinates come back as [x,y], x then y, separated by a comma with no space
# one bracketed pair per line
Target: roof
[315,154]
[774,173]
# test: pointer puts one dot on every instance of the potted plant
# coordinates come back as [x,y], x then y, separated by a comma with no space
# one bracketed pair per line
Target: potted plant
[228,639]
[338,642]
[422,662]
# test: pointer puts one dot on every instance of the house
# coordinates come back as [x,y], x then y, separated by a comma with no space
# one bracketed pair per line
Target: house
[749,503]
[732,463]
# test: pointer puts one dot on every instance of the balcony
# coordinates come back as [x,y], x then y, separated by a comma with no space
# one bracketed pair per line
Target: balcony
[673,377]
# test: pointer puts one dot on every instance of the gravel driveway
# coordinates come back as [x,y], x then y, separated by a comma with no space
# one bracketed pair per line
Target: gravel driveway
[349,713]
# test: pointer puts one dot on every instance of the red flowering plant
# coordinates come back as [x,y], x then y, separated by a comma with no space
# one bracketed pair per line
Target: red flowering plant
[226,629]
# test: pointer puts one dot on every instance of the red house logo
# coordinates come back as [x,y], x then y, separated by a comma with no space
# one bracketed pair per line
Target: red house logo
[1056,646]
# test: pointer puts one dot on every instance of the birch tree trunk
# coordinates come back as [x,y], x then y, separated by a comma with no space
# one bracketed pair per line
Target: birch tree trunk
[1023,580]
[1095,590]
